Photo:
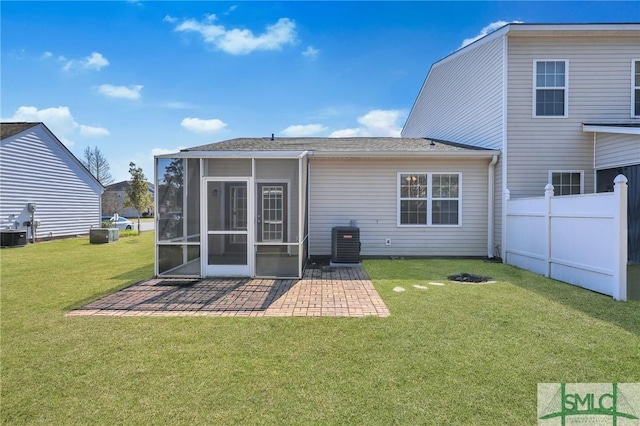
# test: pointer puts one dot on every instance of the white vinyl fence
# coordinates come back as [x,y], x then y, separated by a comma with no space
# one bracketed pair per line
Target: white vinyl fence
[578,239]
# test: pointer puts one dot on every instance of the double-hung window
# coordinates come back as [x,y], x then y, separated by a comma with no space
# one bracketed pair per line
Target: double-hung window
[550,88]
[635,96]
[429,199]
[567,182]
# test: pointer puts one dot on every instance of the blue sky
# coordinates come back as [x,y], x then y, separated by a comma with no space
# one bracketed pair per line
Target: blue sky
[138,78]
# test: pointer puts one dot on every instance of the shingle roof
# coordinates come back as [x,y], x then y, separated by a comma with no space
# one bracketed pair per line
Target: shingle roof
[124,185]
[9,129]
[359,144]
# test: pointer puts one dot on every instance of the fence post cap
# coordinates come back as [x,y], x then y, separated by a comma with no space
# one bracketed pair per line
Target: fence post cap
[620,179]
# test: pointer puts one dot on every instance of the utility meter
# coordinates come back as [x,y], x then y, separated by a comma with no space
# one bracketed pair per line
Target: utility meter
[31,207]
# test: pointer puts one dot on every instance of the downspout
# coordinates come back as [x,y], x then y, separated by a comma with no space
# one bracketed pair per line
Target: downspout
[491,207]
[595,172]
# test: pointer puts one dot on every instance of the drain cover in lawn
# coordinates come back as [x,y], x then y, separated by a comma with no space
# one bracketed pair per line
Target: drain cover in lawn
[470,278]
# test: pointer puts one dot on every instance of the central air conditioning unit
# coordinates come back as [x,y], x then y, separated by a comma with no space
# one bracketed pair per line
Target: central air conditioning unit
[345,245]
[13,238]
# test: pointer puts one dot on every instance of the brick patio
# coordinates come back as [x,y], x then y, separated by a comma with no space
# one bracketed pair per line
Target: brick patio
[323,291]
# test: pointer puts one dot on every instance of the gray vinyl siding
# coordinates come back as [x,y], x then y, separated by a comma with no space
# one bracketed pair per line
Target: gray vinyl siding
[599,89]
[616,150]
[36,168]
[461,99]
[366,191]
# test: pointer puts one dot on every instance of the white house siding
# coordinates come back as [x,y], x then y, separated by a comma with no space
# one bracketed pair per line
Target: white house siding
[366,190]
[36,168]
[461,99]
[617,150]
[599,88]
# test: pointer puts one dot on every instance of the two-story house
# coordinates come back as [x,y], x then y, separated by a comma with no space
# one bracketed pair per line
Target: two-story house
[524,106]
[560,102]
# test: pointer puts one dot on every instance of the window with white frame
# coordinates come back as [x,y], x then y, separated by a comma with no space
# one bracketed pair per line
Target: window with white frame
[428,199]
[567,182]
[635,96]
[550,82]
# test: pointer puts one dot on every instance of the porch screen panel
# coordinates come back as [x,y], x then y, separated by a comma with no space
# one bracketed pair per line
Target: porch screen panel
[192,206]
[170,199]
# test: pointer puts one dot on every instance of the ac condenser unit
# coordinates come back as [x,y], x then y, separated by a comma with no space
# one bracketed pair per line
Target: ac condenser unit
[13,238]
[345,244]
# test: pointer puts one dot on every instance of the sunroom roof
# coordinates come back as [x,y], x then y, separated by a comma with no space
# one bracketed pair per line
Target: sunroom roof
[333,144]
[361,146]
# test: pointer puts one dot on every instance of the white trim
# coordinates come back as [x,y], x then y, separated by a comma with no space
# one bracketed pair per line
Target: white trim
[429,200]
[236,154]
[505,140]
[634,87]
[276,181]
[480,153]
[229,270]
[551,173]
[491,206]
[565,88]
[599,128]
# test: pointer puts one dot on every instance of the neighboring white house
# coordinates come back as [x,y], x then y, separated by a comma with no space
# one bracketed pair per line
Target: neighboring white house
[113,199]
[561,103]
[36,168]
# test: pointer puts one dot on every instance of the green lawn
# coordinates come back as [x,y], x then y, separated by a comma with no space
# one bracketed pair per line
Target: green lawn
[454,354]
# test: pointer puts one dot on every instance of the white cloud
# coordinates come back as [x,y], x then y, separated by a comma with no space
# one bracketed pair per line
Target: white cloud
[486,30]
[238,41]
[175,105]
[303,130]
[47,54]
[169,18]
[93,131]
[94,62]
[311,53]
[59,120]
[348,133]
[198,125]
[376,122]
[132,92]
[164,151]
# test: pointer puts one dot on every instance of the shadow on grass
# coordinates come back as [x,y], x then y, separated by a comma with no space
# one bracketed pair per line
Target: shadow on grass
[131,278]
[633,282]
[625,315]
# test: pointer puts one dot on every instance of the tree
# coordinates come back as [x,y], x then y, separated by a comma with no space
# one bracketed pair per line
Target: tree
[137,195]
[97,165]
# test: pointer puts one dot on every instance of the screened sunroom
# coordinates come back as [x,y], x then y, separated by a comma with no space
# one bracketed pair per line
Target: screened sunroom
[231,213]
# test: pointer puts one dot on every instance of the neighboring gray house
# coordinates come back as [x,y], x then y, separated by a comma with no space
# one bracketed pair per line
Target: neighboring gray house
[561,103]
[35,167]
[113,200]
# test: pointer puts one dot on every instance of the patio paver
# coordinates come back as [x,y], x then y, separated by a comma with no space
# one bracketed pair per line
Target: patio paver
[323,291]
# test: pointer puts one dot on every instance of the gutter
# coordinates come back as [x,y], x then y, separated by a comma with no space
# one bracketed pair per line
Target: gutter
[491,207]
[405,154]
